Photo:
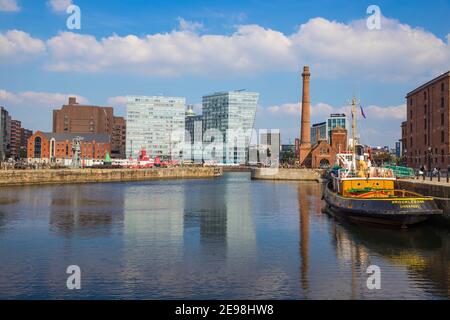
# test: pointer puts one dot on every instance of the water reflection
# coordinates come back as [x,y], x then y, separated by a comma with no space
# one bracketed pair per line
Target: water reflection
[226,238]
[304,206]
[79,210]
[422,251]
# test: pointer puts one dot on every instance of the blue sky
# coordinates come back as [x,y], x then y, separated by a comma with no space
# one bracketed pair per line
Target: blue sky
[192,48]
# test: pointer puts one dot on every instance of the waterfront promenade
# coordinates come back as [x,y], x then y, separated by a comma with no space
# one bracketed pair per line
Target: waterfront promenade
[65,176]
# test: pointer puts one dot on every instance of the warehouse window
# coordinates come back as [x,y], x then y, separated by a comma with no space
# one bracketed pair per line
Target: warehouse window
[37,147]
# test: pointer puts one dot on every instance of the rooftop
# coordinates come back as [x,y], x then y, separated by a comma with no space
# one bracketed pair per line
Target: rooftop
[438,78]
[69,136]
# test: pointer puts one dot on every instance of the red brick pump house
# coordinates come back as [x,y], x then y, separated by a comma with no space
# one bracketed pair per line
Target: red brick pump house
[53,146]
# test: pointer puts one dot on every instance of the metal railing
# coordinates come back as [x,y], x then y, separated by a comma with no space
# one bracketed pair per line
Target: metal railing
[372,172]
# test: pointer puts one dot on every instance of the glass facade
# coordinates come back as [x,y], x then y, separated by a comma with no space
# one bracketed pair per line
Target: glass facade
[155,124]
[318,132]
[334,121]
[194,137]
[232,114]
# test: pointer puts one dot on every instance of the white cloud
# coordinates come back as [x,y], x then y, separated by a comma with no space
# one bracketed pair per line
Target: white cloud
[317,110]
[9,6]
[390,112]
[119,103]
[395,52]
[191,26]
[333,49]
[7,97]
[18,45]
[118,100]
[38,104]
[172,54]
[59,5]
[322,110]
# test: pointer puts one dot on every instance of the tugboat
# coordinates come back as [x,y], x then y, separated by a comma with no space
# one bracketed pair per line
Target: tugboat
[361,193]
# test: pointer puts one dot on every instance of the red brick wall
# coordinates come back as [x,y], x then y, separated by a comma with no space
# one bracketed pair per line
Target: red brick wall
[63,149]
[45,147]
[426,134]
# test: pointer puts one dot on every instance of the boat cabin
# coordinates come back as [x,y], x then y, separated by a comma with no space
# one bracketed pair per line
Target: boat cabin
[358,177]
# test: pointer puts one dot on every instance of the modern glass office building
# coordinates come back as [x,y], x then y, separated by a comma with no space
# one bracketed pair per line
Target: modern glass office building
[322,130]
[318,132]
[156,124]
[229,117]
[336,120]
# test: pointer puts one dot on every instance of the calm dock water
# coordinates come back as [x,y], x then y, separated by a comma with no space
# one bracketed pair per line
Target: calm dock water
[224,238]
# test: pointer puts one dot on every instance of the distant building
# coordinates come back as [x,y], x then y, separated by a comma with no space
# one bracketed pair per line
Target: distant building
[229,114]
[398,149]
[297,147]
[5,134]
[319,132]
[118,138]
[322,130]
[87,119]
[288,148]
[323,154]
[157,124]
[55,147]
[193,135]
[426,132]
[16,132]
[269,146]
[336,120]
[270,138]
[287,153]
[25,134]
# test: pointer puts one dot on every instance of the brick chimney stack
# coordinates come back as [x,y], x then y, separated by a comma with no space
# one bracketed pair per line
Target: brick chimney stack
[305,138]
[305,133]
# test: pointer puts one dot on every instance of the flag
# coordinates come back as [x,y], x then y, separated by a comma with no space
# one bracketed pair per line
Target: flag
[362,112]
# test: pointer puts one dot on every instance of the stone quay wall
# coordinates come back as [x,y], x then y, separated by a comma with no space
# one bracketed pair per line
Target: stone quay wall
[287,174]
[64,176]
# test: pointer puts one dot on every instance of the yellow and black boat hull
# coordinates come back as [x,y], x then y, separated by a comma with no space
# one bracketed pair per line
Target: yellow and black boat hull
[394,211]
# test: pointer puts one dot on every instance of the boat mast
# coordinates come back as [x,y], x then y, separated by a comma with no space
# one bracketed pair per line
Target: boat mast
[354,133]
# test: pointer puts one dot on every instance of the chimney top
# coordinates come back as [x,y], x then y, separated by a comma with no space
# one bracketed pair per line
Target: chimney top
[306,71]
[72,100]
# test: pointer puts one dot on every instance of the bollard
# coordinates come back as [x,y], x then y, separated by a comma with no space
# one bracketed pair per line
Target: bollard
[439,176]
[423,176]
[431,176]
[447,175]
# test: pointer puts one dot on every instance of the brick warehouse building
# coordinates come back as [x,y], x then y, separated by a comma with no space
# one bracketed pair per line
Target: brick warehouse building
[425,133]
[47,147]
[86,119]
